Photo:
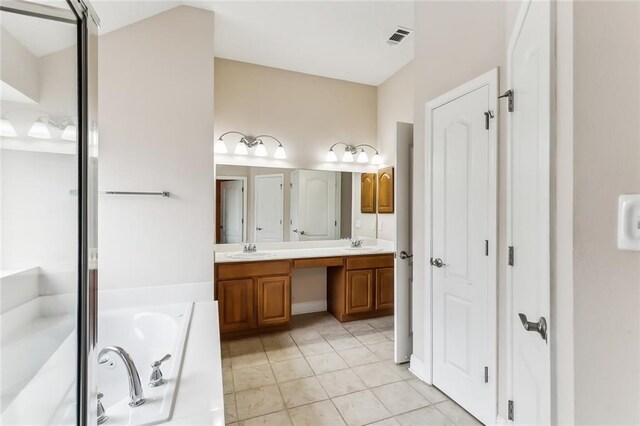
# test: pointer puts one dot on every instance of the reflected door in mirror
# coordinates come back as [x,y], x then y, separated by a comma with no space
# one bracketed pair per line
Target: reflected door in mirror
[269,205]
[232,206]
[313,206]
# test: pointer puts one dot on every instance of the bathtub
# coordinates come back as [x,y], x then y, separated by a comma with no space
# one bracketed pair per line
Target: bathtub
[147,334]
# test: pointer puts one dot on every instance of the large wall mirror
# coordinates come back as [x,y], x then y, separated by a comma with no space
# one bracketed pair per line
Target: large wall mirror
[263,204]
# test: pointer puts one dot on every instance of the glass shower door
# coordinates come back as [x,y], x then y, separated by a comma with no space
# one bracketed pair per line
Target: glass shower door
[48,250]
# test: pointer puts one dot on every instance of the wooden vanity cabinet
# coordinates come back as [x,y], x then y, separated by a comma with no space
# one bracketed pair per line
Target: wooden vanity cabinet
[362,288]
[253,296]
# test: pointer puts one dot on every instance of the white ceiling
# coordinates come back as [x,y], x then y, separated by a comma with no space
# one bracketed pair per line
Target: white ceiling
[337,39]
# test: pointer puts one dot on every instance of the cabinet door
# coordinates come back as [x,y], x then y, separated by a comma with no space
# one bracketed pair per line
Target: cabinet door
[359,291]
[274,300]
[384,288]
[368,193]
[385,190]
[236,305]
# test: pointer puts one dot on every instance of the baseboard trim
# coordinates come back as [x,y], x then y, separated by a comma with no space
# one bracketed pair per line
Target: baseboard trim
[308,307]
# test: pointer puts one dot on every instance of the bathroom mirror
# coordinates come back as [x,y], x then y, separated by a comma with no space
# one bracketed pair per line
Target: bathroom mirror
[264,204]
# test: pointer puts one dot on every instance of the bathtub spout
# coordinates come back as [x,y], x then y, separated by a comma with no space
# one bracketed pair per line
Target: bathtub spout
[136,395]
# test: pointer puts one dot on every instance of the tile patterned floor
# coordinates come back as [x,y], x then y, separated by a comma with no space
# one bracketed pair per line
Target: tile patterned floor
[323,372]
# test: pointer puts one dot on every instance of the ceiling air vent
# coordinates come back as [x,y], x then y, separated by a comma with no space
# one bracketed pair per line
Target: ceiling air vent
[400,34]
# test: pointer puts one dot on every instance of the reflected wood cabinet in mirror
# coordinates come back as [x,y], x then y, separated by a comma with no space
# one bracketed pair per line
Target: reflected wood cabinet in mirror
[385,190]
[368,193]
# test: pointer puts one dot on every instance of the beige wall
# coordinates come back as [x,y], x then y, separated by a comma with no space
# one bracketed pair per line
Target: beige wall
[156,133]
[454,42]
[395,104]
[307,113]
[606,163]
[21,72]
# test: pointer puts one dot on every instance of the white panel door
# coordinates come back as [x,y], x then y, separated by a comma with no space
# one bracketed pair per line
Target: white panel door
[463,246]
[403,342]
[294,195]
[529,69]
[232,211]
[269,208]
[316,194]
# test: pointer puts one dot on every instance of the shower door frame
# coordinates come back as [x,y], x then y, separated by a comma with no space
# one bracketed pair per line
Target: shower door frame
[82,15]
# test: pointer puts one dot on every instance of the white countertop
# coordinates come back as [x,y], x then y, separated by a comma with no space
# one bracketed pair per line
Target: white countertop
[226,253]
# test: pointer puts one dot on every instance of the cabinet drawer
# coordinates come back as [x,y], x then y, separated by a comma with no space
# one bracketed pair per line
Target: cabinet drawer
[320,262]
[253,269]
[369,262]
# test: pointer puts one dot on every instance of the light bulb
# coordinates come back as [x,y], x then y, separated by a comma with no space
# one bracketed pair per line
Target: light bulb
[220,147]
[377,159]
[39,130]
[69,133]
[241,149]
[362,157]
[348,156]
[6,128]
[260,151]
[331,156]
[280,154]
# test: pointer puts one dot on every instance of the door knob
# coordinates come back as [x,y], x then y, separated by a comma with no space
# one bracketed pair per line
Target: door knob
[295,231]
[539,327]
[437,262]
[405,255]
[258,229]
[301,232]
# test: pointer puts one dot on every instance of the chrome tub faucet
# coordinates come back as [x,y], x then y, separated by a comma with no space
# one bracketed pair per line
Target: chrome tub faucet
[136,394]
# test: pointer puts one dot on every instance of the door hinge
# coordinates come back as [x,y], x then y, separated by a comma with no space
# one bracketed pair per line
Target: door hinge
[335,223]
[487,116]
[291,185]
[486,374]
[509,95]
[281,187]
[510,256]
[486,247]
[510,410]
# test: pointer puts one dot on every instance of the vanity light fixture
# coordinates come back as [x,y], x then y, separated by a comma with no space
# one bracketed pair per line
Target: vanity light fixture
[7,129]
[351,150]
[39,130]
[248,142]
[70,133]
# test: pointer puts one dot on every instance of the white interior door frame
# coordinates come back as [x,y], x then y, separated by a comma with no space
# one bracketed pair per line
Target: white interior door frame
[244,201]
[489,79]
[547,200]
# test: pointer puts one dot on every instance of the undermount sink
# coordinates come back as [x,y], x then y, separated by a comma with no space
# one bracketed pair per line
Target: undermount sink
[252,255]
[363,249]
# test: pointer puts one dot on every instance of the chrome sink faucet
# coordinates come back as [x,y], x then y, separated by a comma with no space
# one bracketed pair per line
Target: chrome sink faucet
[357,243]
[136,394]
[249,248]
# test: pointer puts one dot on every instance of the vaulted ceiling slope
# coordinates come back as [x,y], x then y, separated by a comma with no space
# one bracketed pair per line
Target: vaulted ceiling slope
[346,40]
